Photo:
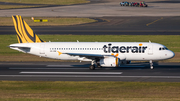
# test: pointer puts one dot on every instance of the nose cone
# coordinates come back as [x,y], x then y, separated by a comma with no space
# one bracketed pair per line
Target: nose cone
[170,54]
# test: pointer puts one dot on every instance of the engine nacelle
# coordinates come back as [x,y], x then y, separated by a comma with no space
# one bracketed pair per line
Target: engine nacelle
[109,62]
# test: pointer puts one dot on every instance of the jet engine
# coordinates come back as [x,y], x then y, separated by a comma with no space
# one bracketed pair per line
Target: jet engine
[109,62]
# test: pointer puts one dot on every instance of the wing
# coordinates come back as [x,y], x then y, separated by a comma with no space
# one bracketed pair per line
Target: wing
[87,55]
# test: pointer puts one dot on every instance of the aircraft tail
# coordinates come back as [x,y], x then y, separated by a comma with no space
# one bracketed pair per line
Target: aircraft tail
[24,33]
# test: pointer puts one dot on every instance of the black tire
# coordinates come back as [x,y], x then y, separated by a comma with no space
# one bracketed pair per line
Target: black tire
[98,65]
[92,67]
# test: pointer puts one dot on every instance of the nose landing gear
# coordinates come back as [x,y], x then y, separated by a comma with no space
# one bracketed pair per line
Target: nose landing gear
[151,64]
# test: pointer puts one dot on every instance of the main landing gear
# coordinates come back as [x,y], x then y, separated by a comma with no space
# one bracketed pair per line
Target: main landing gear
[151,64]
[92,67]
[94,64]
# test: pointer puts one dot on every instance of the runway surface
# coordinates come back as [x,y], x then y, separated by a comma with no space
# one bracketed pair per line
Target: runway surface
[111,26]
[102,9]
[73,71]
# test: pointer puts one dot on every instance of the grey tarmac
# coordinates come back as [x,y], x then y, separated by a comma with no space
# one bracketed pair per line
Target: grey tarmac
[111,26]
[74,71]
[102,9]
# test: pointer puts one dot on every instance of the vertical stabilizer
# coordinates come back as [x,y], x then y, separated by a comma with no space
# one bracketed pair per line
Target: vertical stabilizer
[24,33]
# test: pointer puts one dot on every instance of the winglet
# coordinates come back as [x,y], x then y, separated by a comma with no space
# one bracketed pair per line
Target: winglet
[24,33]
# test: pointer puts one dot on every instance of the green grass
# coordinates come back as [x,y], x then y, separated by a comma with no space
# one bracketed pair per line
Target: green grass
[17,6]
[52,21]
[88,91]
[44,2]
[48,2]
[172,42]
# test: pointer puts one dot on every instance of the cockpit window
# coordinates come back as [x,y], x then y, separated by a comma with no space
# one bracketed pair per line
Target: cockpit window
[163,48]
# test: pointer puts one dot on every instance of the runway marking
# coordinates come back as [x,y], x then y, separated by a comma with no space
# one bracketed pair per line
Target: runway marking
[48,68]
[99,73]
[59,66]
[132,66]
[84,66]
[75,68]
[90,76]
[154,21]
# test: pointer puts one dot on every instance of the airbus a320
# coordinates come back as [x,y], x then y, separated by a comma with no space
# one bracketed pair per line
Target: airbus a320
[101,54]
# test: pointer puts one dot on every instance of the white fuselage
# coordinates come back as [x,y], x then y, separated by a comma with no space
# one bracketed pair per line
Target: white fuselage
[131,51]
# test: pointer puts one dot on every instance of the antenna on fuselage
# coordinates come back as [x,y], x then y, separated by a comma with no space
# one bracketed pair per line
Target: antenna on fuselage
[77,41]
[149,41]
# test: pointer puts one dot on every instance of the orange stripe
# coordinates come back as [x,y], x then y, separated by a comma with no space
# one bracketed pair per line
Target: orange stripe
[117,62]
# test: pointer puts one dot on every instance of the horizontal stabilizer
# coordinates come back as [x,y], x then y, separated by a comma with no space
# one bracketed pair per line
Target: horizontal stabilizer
[21,48]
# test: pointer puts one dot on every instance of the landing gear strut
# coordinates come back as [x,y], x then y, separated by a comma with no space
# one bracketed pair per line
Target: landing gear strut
[151,64]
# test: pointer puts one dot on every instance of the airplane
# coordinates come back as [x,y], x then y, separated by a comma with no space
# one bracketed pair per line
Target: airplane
[101,54]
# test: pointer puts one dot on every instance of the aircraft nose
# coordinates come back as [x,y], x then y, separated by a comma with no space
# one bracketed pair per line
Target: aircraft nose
[170,54]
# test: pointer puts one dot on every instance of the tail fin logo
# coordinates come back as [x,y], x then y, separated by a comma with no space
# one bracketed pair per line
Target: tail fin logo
[24,33]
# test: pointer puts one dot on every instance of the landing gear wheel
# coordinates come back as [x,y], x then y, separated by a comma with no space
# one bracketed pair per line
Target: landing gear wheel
[92,67]
[98,65]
